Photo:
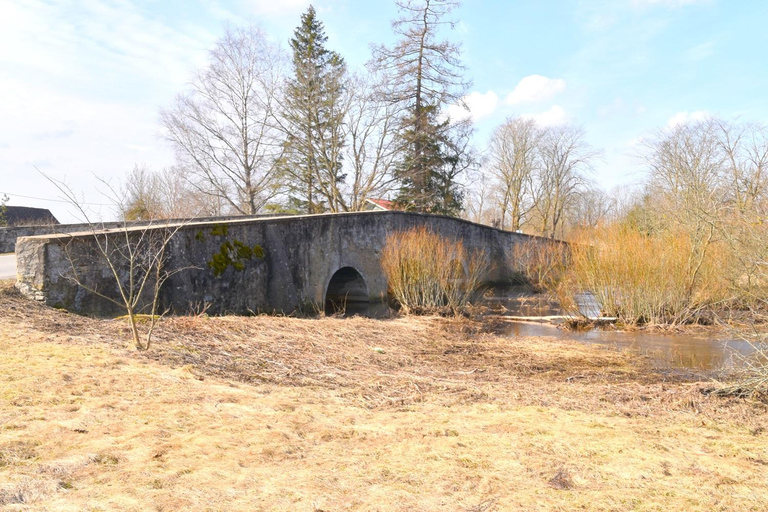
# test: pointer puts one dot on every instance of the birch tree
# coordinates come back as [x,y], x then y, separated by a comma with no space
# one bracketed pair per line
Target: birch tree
[514,161]
[224,129]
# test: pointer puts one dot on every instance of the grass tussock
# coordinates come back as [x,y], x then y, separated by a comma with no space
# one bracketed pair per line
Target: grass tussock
[428,272]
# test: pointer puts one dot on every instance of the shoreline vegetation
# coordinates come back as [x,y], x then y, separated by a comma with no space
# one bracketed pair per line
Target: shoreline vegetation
[427,413]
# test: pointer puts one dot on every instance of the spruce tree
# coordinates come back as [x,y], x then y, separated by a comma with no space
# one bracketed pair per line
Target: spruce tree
[313,116]
[424,76]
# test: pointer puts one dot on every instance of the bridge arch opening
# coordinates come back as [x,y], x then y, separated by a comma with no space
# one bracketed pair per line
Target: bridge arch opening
[346,292]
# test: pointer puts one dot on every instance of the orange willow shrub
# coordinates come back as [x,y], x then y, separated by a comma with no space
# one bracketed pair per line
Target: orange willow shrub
[646,279]
[541,262]
[430,272]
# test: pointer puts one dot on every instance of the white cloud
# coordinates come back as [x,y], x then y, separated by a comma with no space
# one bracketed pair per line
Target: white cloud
[534,89]
[687,117]
[480,106]
[278,7]
[555,116]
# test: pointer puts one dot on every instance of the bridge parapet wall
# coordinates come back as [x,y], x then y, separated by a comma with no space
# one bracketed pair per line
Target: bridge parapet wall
[301,254]
[9,235]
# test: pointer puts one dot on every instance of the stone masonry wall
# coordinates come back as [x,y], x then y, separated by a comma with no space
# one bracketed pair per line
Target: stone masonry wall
[301,254]
[8,235]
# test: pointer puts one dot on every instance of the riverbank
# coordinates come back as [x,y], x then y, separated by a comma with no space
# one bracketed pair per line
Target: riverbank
[268,413]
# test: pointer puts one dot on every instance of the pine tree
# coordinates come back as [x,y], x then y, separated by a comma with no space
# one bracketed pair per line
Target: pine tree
[313,118]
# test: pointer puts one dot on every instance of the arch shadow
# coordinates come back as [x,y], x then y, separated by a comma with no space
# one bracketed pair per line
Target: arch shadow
[347,292]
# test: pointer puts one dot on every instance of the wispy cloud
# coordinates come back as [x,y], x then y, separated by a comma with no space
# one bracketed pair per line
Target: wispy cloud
[99,49]
[534,89]
[687,117]
[555,116]
[82,84]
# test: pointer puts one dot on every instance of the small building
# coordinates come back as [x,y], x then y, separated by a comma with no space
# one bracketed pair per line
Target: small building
[379,205]
[27,216]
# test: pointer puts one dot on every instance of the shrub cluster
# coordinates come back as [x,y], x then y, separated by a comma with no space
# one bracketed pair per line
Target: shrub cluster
[428,272]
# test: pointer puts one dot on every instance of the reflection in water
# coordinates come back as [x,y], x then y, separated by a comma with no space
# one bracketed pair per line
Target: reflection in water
[696,351]
[701,351]
[377,309]
[519,301]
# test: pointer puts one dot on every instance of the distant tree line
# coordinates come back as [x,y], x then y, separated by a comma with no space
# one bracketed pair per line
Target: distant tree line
[261,129]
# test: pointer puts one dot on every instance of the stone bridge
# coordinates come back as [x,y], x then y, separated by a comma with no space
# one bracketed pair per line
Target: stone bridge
[307,260]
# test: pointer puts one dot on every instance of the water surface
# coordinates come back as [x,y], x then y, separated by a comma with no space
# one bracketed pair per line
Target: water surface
[700,351]
[706,350]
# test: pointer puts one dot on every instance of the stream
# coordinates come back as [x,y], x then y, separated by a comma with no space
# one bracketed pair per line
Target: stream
[703,350]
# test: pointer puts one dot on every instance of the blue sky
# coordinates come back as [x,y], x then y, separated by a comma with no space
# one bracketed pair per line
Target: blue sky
[81,82]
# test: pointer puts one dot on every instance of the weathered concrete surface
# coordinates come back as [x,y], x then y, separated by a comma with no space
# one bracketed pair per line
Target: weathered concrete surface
[301,254]
[7,266]
[9,235]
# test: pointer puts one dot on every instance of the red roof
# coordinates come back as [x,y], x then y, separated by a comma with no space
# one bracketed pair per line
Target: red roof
[383,203]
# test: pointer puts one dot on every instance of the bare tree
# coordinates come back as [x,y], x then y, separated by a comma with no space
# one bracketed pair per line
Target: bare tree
[165,194]
[479,204]
[135,257]
[687,168]
[372,148]
[141,198]
[687,171]
[745,150]
[745,202]
[591,207]
[514,161]
[224,130]
[566,158]
[184,200]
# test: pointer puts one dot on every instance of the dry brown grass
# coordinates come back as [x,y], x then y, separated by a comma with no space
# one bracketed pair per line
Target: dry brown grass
[269,413]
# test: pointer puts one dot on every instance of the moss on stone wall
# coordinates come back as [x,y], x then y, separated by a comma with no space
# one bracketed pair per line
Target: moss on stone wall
[231,254]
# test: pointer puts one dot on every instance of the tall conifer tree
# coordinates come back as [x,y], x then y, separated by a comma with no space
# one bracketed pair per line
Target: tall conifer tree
[313,117]
[424,76]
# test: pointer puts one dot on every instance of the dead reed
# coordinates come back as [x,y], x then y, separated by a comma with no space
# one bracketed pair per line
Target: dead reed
[541,263]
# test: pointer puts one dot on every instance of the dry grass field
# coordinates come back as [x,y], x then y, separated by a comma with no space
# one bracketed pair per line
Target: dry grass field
[267,413]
